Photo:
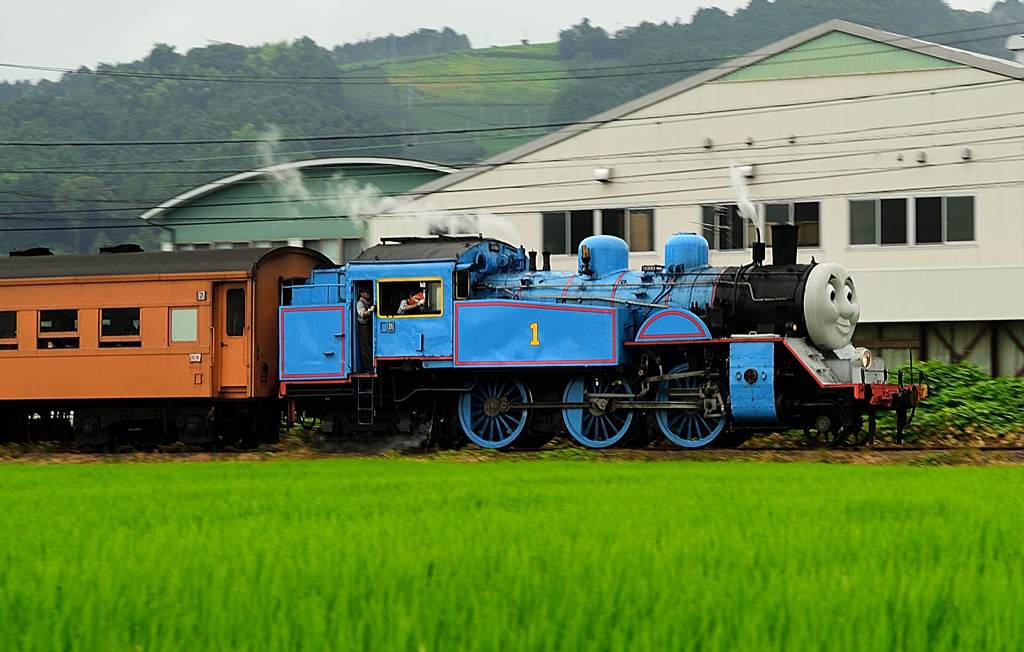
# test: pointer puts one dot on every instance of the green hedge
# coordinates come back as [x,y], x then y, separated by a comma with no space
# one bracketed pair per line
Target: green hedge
[965,405]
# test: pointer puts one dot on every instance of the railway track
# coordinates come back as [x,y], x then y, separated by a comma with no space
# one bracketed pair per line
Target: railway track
[36,453]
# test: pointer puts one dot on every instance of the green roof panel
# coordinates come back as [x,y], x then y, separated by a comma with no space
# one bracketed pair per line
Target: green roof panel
[837,53]
[312,202]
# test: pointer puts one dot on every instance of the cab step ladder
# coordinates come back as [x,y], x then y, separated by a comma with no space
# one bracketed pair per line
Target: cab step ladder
[364,400]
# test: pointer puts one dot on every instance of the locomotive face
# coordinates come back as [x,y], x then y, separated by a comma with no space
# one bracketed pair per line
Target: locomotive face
[831,308]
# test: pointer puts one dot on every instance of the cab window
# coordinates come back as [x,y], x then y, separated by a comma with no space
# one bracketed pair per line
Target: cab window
[462,284]
[410,297]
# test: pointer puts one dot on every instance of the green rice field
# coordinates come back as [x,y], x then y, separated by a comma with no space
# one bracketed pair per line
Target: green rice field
[424,555]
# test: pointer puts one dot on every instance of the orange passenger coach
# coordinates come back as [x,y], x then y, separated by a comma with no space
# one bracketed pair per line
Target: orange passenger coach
[144,348]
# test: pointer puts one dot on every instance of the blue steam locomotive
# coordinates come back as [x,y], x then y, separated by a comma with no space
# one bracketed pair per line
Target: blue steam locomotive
[465,338]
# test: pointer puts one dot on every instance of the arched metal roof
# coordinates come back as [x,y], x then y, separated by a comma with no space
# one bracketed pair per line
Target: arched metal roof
[340,161]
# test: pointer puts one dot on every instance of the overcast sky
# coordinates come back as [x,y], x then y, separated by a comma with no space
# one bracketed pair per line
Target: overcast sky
[72,33]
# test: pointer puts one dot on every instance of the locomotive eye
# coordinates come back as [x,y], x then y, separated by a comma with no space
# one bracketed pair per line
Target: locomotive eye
[849,294]
[831,293]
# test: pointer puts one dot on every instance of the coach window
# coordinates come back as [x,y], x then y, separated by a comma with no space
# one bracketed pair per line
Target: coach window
[184,324]
[58,329]
[8,331]
[422,297]
[235,317]
[119,328]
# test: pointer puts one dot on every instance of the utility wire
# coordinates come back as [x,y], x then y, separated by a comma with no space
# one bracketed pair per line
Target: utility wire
[583,125]
[626,69]
[649,175]
[548,202]
[729,146]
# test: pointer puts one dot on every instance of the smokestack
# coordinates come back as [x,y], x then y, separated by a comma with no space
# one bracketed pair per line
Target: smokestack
[533,261]
[784,240]
[546,256]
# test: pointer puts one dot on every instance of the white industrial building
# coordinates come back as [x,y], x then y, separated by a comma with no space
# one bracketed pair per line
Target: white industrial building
[900,159]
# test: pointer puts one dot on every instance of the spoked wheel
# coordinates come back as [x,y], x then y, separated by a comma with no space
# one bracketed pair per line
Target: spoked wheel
[825,425]
[486,415]
[605,422]
[686,428]
[861,431]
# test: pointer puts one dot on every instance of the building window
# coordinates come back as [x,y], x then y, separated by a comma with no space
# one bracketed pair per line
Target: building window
[565,230]
[8,330]
[935,220]
[556,233]
[58,329]
[119,327]
[338,250]
[725,228]
[943,219]
[350,248]
[635,226]
[804,214]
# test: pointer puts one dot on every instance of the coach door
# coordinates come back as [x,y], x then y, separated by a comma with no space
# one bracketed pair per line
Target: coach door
[231,339]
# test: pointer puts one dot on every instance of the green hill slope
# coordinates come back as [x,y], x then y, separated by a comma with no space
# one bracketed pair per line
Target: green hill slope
[467,90]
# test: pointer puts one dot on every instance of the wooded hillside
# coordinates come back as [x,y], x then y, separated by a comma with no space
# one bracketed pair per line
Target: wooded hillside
[174,120]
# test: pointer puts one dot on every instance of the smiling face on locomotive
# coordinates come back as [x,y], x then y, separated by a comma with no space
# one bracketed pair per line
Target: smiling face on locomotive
[831,307]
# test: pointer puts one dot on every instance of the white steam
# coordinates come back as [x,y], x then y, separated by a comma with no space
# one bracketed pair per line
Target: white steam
[739,185]
[472,223]
[348,199]
[344,198]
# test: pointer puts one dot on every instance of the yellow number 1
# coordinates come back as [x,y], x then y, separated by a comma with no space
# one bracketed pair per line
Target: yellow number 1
[534,341]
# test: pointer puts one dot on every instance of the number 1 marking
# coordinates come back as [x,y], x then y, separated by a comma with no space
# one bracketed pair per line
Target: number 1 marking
[534,341]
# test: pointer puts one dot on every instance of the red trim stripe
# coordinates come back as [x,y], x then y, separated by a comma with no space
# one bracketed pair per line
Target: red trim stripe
[280,330]
[616,287]
[568,284]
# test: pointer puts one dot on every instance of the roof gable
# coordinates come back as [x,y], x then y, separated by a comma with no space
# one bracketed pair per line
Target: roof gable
[837,53]
[911,46]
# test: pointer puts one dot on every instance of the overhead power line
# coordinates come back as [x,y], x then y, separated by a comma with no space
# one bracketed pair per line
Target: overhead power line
[583,125]
[852,137]
[549,202]
[498,76]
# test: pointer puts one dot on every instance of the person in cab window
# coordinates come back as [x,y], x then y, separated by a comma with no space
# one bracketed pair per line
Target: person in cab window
[414,303]
[364,319]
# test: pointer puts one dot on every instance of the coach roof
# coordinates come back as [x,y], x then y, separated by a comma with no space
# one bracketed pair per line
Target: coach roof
[434,248]
[152,262]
